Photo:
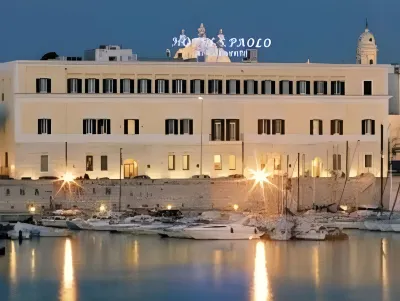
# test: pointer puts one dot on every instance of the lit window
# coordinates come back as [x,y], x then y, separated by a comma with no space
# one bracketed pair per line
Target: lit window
[232,162]
[185,163]
[217,162]
[277,163]
[171,162]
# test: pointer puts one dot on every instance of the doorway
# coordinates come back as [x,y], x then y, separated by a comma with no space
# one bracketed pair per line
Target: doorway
[130,169]
[316,167]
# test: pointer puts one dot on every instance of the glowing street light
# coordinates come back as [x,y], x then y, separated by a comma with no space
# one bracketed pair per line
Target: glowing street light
[235,207]
[169,207]
[32,209]
[68,177]
[102,208]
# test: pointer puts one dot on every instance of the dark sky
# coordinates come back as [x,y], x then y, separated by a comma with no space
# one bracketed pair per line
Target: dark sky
[322,30]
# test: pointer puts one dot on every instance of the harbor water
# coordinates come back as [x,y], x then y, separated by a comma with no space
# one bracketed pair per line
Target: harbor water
[104,266]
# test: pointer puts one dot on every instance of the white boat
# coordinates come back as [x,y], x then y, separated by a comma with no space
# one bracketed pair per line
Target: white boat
[317,233]
[14,235]
[395,227]
[282,230]
[152,229]
[177,231]
[55,221]
[55,233]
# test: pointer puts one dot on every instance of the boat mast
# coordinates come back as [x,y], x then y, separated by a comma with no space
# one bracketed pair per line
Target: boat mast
[381,167]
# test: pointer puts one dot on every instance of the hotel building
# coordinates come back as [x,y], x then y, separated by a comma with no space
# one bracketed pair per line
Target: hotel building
[179,119]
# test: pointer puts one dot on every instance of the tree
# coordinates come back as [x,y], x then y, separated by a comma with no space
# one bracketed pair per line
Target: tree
[49,56]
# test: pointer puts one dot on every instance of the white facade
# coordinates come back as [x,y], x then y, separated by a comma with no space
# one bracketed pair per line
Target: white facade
[109,53]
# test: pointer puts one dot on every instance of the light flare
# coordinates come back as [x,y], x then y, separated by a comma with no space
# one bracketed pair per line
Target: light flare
[67,180]
[169,207]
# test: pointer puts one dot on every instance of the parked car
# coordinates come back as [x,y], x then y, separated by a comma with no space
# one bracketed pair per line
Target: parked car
[237,176]
[142,177]
[201,177]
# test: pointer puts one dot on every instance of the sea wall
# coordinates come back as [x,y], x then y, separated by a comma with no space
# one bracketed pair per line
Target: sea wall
[191,193]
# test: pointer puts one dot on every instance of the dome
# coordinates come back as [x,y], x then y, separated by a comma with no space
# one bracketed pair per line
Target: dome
[366,38]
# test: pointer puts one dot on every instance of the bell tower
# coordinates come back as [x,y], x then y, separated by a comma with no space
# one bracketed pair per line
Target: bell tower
[367,50]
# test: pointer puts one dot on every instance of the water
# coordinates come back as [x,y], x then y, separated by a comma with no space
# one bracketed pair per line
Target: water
[103,266]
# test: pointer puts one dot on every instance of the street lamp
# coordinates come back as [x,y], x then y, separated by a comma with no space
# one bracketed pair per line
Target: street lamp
[201,137]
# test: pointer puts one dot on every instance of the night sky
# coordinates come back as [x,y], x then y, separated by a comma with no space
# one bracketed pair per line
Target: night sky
[324,31]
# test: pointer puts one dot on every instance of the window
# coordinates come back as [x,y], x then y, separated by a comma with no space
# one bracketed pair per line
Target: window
[185,162]
[44,126]
[171,162]
[43,85]
[232,130]
[89,163]
[268,87]
[371,61]
[179,86]
[217,130]
[44,163]
[303,87]
[285,87]
[103,163]
[162,86]
[131,126]
[368,127]
[109,85]
[233,86]
[2,96]
[264,126]
[144,86]
[197,86]
[126,86]
[103,126]
[316,127]
[278,127]
[336,127]
[215,86]
[217,162]
[337,87]
[89,126]
[91,85]
[250,87]
[320,87]
[368,161]
[74,85]
[232,162]
[337,162]
[186,126]
[367,87]
[277,163]
[171,127]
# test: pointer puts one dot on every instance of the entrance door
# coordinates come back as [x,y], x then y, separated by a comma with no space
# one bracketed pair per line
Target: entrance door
[130,170]
[316,167]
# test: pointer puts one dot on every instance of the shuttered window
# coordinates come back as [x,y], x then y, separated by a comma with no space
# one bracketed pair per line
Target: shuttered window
[131,126]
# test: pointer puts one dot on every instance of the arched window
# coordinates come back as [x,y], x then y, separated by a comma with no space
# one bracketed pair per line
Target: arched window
[371,62]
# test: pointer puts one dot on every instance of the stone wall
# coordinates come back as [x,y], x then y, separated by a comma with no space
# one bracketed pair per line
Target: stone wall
[189,193]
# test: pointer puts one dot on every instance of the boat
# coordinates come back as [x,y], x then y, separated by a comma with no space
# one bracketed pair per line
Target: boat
[55,221]
[233,231]
[315,233]
[50,233]
[282,230]
[14,235]
[177,231]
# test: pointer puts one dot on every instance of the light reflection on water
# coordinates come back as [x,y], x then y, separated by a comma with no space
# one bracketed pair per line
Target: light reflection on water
[127,267]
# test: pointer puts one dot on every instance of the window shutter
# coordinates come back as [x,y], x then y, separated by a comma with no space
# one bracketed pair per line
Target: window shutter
[373,126]
[48,85]
[320,127]
[149,85]
[290,87]
[132,85]
[237,130]
[202,86]
[311,127]
[126,126]
[39,126]
[181,126]
[48,126]
[260,126]
[121,86]
[283,126]
[104,85]
[343,92]
[255,87]
[237,86]
[245,86]
[268,127]
[263,87]
[341,127]
[184,86]
[174,85]
[273,127]
[114,86]
[166,127]
[315,87]
[84,126]
[333,88]
[228,129]
[136,126]
[68,85]
[191,127]
[227,87]
[86,85]
[192,84]
[97,85]
[273,87]
[37,85]
[166,86]
[212,129]
[94,126]
[332,127]
[222,130]
[100,124]
[325,87]
[298,87]
[219,86]
[176,126]
[210,86]
[280,87]
[308,88]
[363,127]
[108,126]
